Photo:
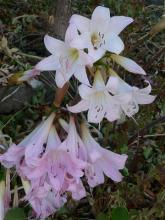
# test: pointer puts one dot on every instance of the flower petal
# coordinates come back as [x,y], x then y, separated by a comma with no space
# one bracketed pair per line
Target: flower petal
[110,171]
[100,19]
[81,75]
[82,23]
[85,91]
[71,33]
[54,46]
[48,64]
[82,41]
[97,109]
[144,98]
[79,107]
[53,141]
[113,43]
[128,64]
[118,23]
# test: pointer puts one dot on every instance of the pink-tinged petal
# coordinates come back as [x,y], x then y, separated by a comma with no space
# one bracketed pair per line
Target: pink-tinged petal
[72,138]
[115,159]
[12,156]
[81,75]
[85,91]
[77,190]
[71,33]
[53,141]
[110,171]
[36,143]
[79,107]
[82,23]
[48,64]
[82,41]
[100,19]
[94,175]
[118,23]
[54,46]
[113,43]
[128,64]
[143,99]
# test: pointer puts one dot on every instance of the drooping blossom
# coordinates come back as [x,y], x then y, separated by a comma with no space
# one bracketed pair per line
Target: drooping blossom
[65,59]
[101,161]
[100,33]
[97,101]
[30,148]
[129,97]
[59,164]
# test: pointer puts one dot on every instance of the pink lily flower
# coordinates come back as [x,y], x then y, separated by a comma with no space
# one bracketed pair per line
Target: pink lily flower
[101,161]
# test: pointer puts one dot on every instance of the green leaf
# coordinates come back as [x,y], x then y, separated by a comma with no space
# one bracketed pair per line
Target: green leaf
[102,216]
[15,214]
[120,213]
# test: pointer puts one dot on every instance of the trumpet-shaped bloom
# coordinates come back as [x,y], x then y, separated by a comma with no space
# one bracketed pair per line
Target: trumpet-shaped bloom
[44,200]
[59,163]
[65,59]
[100,33]
[97,101]
[101,161]
[128,96]
[26,153]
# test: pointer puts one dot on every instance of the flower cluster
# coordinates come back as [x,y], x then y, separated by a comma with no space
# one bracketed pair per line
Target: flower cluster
[54,167]
[52,164]
[97,36]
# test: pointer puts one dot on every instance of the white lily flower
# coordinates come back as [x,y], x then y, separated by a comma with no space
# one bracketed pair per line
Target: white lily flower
[129,97]
[97,101]
[100,34]
[66,60]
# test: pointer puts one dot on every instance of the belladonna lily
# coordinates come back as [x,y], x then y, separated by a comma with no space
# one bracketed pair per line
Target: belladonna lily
[100,33]
[59,164]
[129,97]
[98,101]
[27,152]
[65,59]
[101,161]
